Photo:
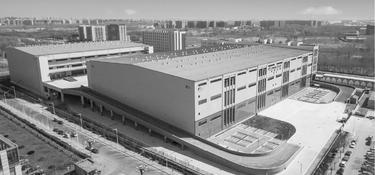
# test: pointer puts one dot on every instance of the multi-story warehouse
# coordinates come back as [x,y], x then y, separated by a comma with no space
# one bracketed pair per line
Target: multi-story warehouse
[165,40]
[48,69]
[117,32]
[204,92]
[9,157]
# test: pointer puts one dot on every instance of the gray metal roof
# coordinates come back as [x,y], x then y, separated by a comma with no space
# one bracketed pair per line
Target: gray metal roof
[39,50]
[203,64]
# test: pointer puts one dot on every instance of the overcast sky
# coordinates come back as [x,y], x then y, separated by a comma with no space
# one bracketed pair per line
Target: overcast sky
[191,9]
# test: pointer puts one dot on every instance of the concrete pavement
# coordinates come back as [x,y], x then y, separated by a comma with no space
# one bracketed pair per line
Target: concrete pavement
[111,157]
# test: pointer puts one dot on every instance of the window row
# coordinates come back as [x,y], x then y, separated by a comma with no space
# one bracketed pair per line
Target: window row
[262,72]
[261,85]
[229,116]
[229,97]
[229,81]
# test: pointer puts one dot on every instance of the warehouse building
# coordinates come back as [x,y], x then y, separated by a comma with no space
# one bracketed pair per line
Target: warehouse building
[48,69]
[9,157]
[165,40]
[204,92]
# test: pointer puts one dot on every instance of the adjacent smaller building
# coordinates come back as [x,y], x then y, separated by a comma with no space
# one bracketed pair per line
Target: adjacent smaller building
[9,157]
[48,69]
[165,40]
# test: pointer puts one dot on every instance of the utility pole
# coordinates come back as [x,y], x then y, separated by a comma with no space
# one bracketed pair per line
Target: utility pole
[53,107]
[116,134]
[14,91]
[80,118]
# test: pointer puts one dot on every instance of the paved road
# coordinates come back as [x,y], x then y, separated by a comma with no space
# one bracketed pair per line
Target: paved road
[112,158]
[360,128]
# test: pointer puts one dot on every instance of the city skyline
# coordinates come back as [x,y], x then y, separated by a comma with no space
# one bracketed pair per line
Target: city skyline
[207,9]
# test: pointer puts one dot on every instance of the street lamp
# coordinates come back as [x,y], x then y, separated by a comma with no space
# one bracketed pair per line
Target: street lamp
[52,104]
[141,169]
[80,118]
[14,91]
[5,97]
[116,134]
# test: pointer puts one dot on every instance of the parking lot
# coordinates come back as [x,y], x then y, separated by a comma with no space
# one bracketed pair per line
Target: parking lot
[360,129]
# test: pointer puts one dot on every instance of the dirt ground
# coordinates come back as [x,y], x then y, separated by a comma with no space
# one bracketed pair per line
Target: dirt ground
[44,156]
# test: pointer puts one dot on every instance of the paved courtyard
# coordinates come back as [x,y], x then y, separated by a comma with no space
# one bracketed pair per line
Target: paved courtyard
[315,95]
[247,139]
[314,123]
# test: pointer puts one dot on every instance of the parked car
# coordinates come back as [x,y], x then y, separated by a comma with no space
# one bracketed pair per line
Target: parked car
[342,163]
[60,132]
[55,129]
[345,158]
[340,171]
[348,153]
[73,134]
[331,155]
[370,117]
[94,150]
[352,144]
[65,135]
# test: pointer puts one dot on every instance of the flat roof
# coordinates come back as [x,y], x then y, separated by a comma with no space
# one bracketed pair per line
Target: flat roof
[52,49]
[203,63]
[8,143]
[72,82]
[87,165]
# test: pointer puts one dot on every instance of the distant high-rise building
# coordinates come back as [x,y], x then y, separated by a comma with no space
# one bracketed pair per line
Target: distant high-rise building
[211,24]
[28,22]
[281,24]
[220,24]
[92,33]
[237,23]
[169,24]
[165,40]
[179,24]
[116,32]
[191,24]
[202,24]
[370,30]
[96,33]
[82,32]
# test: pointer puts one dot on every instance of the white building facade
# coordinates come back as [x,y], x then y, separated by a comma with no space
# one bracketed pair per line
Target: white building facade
[205,93]
[41,69]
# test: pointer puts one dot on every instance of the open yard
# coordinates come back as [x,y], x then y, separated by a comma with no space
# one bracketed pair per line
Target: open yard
[35,150]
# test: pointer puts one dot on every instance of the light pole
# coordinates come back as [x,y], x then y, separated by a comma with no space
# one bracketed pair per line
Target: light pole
[116,134]
[80,118]
[141,169]
[5,97]
[14,91]
[53,107]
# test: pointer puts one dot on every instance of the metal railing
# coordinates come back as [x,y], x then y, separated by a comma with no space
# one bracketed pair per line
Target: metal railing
[108,133]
